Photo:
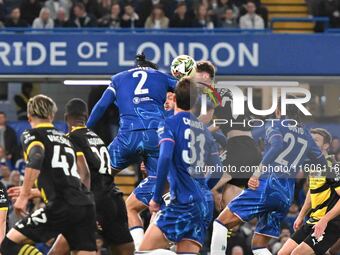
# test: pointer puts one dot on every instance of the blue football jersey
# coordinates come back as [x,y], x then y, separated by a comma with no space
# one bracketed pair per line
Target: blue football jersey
[193,146]
[295,146]
[140,94]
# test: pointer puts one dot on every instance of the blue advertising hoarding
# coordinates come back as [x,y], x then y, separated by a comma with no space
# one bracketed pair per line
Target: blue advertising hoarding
[108,53]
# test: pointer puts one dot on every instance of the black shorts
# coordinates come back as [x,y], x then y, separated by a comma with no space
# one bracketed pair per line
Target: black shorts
[112,218]
[304,234]
[242,153]
[76,223]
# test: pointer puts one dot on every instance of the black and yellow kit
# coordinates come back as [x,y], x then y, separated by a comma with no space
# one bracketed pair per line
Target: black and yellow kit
[110,206]
[323,193]
[69,205]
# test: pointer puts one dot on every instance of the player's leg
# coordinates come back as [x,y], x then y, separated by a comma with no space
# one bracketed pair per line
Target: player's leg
[226,220]
[112,217]
[154,239]
[34,228]
[260,244]
[134,207]
[80,230]
[123,152]
[188,247]
[303,249]
[335,249]
[311,245]
[229,192]
[60,247]
[298,237]
[288,247]
[17,243]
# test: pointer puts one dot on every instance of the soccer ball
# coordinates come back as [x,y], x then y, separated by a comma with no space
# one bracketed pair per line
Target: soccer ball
[183,65]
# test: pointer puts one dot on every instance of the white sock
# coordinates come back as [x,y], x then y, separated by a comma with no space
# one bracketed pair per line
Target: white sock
[219,239]
[137,234]
[262,251]
[156,252]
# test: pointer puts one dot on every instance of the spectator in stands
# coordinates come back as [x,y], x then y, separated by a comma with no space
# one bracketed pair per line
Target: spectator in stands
[14,179]
[237,250]
[5,173]
[104,8]
[202,18]
[2,11]
[229,20]
[331,9]
[55,5]
[61,20]
[130,18]
[30,9]
[145,7]
[15,20]
[44,20]
[222,7]
[21,100]
[157,19]
[82,18]
[8,140]
[181,17]
[113,19]
[251,20]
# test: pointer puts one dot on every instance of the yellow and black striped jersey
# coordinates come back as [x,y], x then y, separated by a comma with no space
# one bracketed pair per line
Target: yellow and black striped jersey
[58,178]
[323,192]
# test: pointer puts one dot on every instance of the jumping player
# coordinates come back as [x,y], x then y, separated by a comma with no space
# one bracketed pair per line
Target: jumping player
[323,205]
[52,163]
[110,207]
[140,94]
[185,147]
[270,193]
[240,147]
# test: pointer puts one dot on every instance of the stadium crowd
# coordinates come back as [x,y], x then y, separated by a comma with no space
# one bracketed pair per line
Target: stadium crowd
[239,239]
[151,14]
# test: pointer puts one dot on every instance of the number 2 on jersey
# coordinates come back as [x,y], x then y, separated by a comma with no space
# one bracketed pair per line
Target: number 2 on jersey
[139,89]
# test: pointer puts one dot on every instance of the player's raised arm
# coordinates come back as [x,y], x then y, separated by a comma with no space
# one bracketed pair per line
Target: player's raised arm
[99,109]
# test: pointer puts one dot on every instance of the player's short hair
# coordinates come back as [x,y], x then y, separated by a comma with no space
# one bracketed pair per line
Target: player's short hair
[76,108]
[41,106]
[186,93]
[141,61]
[207,67]
[327,137]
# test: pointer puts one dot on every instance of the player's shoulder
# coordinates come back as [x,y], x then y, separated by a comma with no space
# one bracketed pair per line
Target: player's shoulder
[29,135]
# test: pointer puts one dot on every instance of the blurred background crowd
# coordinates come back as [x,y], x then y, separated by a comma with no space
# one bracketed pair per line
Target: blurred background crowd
[151,14]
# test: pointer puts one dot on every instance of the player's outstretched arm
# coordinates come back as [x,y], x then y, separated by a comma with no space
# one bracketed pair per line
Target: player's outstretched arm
[99,109]
[165,156]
